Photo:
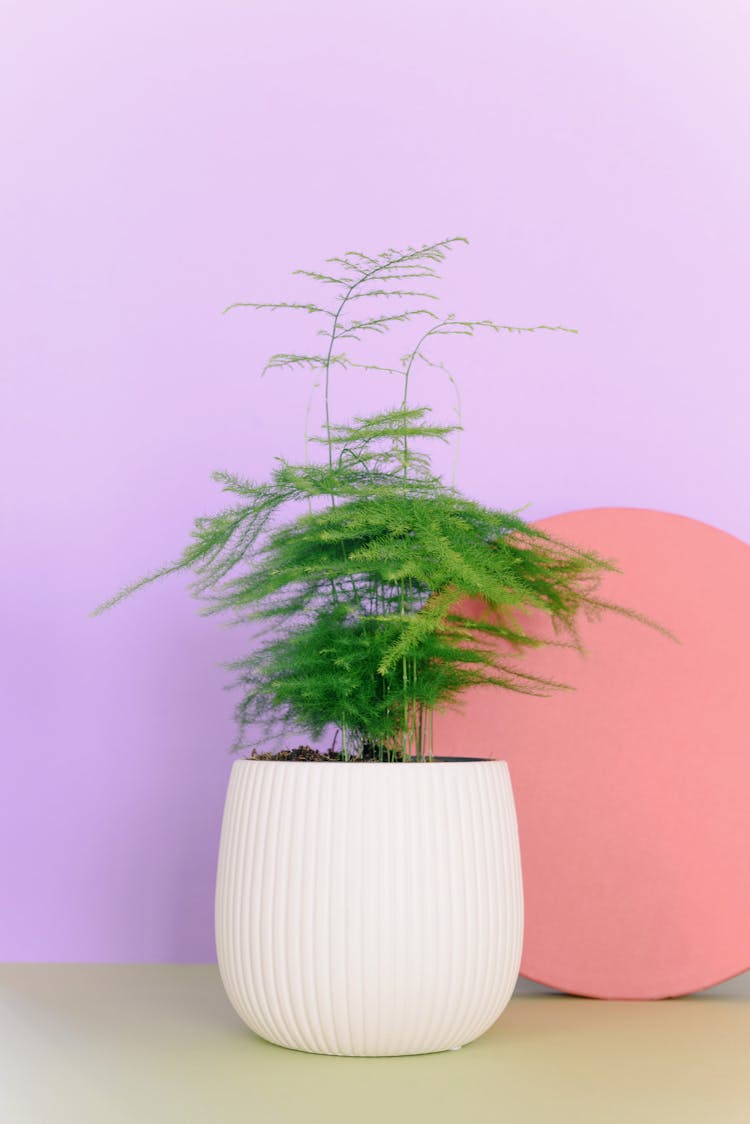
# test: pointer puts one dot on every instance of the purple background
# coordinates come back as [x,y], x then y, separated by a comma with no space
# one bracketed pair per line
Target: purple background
[169,158]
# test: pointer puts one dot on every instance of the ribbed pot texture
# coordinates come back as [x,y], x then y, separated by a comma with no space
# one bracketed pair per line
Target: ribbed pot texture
[369,909]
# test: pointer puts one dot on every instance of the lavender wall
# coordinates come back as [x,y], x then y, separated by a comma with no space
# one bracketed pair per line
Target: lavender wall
[168,158]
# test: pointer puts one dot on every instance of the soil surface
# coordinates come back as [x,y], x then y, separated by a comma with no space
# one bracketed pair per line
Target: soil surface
[369,754]
[307,753]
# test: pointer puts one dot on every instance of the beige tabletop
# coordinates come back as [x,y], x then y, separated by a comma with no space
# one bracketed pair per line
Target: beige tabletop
[94,1044]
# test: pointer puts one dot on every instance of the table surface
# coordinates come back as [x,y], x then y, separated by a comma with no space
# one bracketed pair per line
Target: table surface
[104,1044]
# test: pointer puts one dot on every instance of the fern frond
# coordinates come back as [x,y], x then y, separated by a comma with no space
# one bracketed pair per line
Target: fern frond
[381,324]
[279,305]
[324,278]
[289,361]
[418,293]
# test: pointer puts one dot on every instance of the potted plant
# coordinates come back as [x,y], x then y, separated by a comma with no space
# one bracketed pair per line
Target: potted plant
[369,896]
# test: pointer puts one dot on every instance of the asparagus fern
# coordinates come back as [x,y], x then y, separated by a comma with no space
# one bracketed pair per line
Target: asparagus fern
[361,593]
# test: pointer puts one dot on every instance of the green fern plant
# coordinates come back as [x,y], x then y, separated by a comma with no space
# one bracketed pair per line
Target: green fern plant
[356,561]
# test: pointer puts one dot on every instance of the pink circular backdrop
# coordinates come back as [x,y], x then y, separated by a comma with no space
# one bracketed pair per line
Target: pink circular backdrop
[633,790]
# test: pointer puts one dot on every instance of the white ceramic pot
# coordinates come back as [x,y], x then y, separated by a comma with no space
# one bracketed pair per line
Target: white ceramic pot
[369,909]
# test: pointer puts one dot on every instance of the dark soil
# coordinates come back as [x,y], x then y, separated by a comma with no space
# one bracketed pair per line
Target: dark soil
[307,753]
[369,754]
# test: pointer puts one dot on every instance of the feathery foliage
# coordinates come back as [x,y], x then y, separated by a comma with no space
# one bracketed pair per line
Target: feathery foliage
[361,593]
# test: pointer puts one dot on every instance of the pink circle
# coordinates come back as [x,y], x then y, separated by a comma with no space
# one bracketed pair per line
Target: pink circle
[633,790]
